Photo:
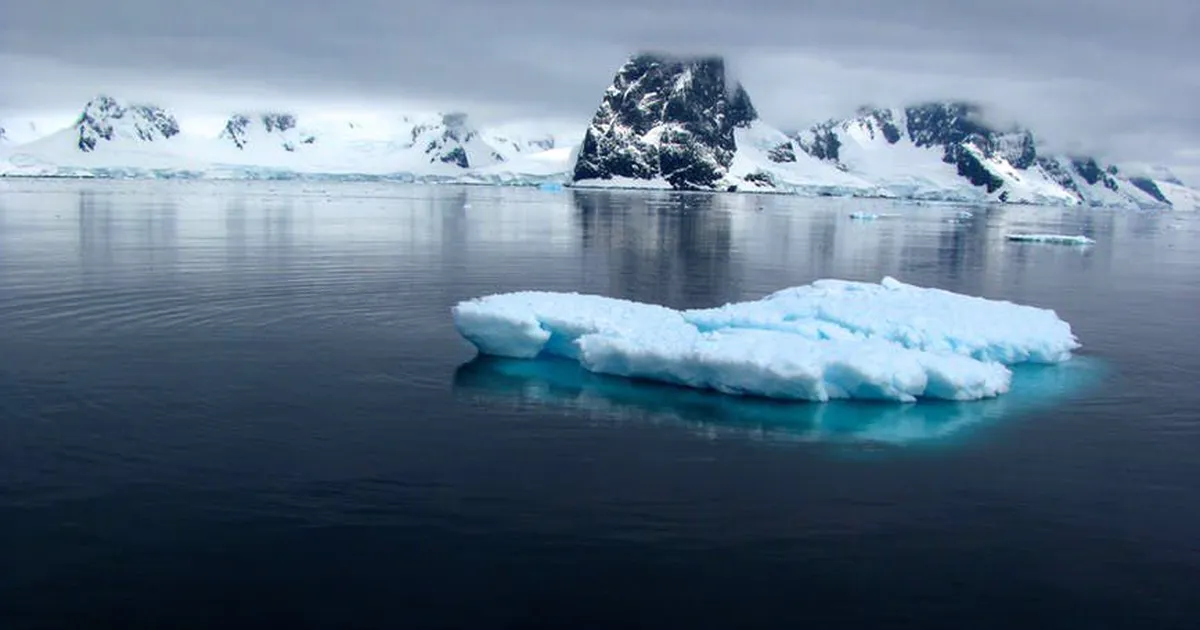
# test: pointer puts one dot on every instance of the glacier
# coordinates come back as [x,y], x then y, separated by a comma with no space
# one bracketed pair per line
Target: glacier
[832,339]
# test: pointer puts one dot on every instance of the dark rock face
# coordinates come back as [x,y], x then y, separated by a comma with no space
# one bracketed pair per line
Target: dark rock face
[823,143]
[1055,170]
[237,129]
[940,124]
[1091,172]
[280,122]
[760,179]
[822,140]
[881,121]
[666,117]
[957,128]
[1147,185]
[443,141]
[103,116]
[783,153]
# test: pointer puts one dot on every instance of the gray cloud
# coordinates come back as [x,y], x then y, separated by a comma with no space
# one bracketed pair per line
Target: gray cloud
[1112,76]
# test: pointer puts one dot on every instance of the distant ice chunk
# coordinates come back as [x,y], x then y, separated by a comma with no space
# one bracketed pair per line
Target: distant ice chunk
[1058,239]
[871,216]
[832,339]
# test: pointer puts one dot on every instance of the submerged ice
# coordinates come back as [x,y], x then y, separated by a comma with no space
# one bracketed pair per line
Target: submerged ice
[828,340]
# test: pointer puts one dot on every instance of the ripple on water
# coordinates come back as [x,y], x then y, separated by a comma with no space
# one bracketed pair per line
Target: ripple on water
[153,304]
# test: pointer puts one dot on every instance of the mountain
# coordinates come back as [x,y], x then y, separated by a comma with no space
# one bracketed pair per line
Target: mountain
[947,150]
[665,122]
[681,123]
[111,138]
[666,118]
[105,120]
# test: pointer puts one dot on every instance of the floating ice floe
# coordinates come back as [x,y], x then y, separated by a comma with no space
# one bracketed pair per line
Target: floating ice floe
[871,216]
[831,339]
[1057,239]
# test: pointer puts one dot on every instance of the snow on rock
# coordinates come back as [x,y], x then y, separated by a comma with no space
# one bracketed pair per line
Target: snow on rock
[766,159]
[271,128]
[1057,239]
[1179,196]
[666,118]
[451,140]
[104,119]
[830,339]
[947,151]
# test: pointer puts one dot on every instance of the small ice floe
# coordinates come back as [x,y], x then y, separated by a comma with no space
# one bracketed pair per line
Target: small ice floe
[1057,239]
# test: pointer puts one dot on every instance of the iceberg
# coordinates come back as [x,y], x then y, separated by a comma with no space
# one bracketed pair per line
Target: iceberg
[1058,239]
[832,339]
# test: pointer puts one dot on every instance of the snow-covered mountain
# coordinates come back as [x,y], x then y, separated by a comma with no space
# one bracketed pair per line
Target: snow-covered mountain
[111,138]
[946,150]
[666,119]
[665,122]
[671,122]
[106,120]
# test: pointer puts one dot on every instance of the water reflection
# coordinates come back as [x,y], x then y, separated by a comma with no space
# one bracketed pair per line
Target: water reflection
[565,384]
[668,248]
[94,222]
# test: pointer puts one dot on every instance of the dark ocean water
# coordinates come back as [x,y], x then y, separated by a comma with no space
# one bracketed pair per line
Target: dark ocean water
[245,405]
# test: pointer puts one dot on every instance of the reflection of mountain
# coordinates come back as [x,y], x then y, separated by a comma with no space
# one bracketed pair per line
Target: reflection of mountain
[564,383]
[669,248]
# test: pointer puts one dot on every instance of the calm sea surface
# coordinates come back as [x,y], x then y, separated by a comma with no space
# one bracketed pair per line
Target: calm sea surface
[245,405]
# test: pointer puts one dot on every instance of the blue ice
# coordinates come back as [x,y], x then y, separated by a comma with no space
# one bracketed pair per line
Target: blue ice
[831,339]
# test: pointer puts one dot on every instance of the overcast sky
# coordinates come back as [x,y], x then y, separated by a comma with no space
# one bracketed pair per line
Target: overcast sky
[1117,77]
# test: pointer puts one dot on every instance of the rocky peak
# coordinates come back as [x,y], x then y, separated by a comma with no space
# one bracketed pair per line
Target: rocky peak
[280,127]
[278,122]
[450,139]
[669,117]
[105,118]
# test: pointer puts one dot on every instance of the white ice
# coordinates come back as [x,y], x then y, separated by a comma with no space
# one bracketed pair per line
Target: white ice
[832,339]
[1059,239]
